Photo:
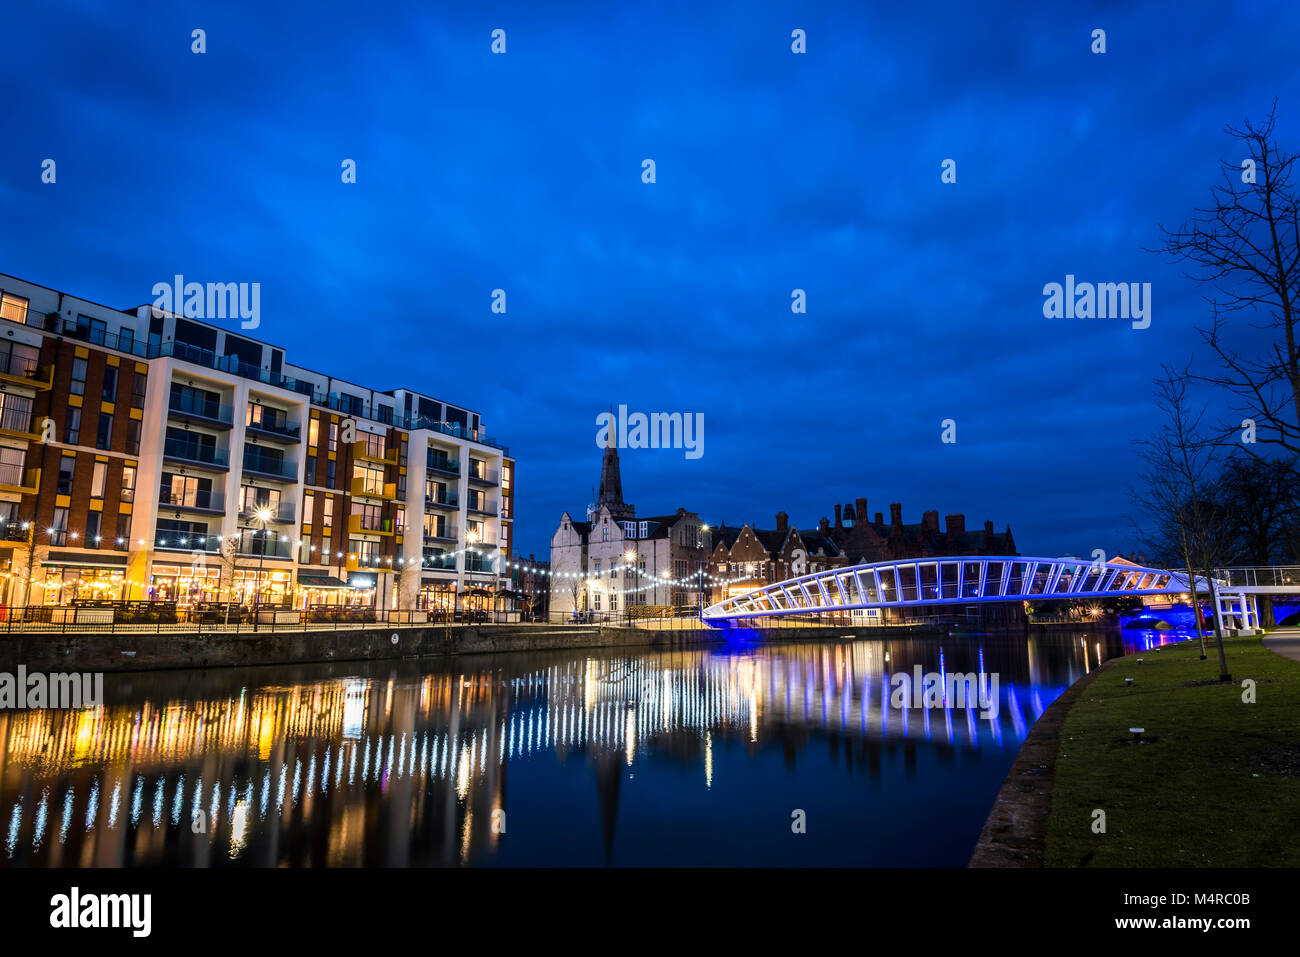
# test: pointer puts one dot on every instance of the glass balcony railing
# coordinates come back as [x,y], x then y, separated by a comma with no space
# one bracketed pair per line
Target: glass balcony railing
[283,512]
[261,546]
[439,464]
[276,425]
[440,560]
[210,501]
[446,500]
[19,366]
[490,476]
[195,452]
[188,542]
[202,408]
[269,465]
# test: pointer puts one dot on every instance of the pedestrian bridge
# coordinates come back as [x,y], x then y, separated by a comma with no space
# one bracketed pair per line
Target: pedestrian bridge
[948,581]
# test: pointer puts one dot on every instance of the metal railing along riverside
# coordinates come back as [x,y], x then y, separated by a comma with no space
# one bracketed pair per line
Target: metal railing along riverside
[166,618]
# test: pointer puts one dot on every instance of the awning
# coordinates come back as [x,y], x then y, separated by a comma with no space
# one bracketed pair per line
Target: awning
[77,560]
[320,581]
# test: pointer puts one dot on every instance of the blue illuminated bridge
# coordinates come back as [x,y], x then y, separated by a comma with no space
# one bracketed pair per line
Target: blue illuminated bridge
[948,581]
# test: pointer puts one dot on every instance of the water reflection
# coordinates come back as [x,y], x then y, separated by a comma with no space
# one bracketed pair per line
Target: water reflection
[693,756]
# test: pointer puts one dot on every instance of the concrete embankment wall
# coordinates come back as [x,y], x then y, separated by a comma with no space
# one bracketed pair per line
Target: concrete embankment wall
[145,652]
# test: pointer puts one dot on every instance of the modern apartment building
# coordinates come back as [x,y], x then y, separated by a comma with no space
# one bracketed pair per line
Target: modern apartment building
[149,456]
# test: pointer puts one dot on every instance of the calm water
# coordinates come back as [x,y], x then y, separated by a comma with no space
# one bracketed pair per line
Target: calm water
[690,757]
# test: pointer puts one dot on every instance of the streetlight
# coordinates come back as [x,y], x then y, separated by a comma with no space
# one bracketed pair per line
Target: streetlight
[471,538]
[263,515]
[629,556]
[704,531]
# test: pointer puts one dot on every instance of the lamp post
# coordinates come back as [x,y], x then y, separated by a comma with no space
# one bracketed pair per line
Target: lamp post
[471,538]
[263,515]
[630,556]
[704,531]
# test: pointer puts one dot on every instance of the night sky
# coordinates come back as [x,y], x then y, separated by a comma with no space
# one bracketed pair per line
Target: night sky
[775,171]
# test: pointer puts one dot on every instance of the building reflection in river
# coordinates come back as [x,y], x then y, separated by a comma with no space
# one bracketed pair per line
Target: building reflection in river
[408,765]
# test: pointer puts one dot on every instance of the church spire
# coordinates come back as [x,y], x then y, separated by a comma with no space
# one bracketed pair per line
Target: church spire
[611,482]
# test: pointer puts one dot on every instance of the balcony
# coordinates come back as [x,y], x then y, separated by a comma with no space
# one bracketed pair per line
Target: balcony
[199,501]
[439,561]
[24,370]
[482,508]
[374,452]
[448,533]
[270,466]
[15,420]
[371,563]
[195,453]
[485,476]
[187,542]
[474,564]
[443,466]
[206,412]
[15,478]
[254,544]
[371,489]
[361,525]
[447,501]
[284,513]
[14,531]
[275,428]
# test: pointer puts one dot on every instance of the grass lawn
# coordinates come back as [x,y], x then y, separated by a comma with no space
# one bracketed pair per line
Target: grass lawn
[1218,784]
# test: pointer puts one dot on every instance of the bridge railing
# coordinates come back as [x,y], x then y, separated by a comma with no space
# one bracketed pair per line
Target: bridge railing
[1268,576]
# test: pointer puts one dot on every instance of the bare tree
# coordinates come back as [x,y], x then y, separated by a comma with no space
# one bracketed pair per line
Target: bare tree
[1179,497]
[1245,248]
[228,554]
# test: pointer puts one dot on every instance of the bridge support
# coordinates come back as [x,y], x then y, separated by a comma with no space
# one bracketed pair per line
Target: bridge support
[1241,607]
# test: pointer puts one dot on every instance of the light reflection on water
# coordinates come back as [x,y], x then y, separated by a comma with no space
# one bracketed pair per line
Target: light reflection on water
[699,755]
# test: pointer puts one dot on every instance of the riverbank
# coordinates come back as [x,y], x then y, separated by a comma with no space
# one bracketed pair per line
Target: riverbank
[148,652]
[1214,782]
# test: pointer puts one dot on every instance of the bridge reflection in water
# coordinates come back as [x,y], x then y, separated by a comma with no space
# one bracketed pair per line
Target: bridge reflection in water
[683,756]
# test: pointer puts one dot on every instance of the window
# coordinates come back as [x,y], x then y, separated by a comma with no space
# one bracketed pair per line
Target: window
[372,480]
[67,469]
[104,437]
[12,462]
[371,516]
[595,600]
[308,507]
[367,552]
[109,391]
[15,411]
[126,340]
[128,483]
[505,476]
[132,436]
[374,444]
[18,359]
[252,498]
[330,470]
[78,386]
[327,512]
[604,537]
[139,383]
[309,478]
[59,530]
[613,602]
[93,520]
[91,330]
[188,490]
[123,531]
[313,433]
[334,437]
[72,426]
[13,308]
[98,479]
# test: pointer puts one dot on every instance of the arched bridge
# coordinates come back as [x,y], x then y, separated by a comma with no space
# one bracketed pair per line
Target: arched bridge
[947,581]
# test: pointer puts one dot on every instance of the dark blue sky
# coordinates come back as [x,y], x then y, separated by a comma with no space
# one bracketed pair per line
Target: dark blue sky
[775,171]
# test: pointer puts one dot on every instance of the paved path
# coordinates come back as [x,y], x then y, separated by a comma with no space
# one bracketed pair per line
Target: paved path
[1285,642]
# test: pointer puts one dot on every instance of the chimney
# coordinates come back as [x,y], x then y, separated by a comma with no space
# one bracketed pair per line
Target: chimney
[896,513]
[782,521]
[956,524]
[824,525]
[860,509]
[880,519]
[988,535]
[930,520]
[839,515]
